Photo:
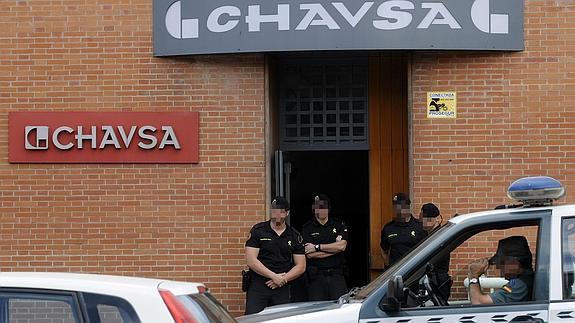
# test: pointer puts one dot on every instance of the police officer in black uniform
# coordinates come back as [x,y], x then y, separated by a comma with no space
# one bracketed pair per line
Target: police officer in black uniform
[431,220]
[400,235]
[325,240]
[275,255]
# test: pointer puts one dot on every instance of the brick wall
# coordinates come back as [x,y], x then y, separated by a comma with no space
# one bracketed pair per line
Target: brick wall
[514,115]
[185,222]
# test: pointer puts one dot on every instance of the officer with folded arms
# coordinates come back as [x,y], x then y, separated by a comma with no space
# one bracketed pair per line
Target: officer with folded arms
[325,240]
[275,256]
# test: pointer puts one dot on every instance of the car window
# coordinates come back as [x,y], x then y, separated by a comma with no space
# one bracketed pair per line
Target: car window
[109,309]
[366,290]
[40,308]
[428,280]
[206,308]
[568,257]
[109,314]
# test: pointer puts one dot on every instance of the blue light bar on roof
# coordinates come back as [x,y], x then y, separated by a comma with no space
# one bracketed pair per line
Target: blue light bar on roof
[538,190]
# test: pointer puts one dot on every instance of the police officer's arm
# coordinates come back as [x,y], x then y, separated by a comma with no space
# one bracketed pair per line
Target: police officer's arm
[330,249]
[298,268]
[334,247]
[257,266]
[298,255]
[385,248]
[476,295]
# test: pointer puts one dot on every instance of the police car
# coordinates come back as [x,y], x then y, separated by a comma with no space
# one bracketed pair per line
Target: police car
[404,292]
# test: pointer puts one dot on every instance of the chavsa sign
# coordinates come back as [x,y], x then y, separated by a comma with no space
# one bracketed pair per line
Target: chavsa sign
[103,137]
[184,27]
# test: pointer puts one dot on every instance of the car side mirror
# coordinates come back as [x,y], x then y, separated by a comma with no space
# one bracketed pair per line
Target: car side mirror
[395,295]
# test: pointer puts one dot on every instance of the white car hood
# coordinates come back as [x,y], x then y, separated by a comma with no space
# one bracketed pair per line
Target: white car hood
[298,309]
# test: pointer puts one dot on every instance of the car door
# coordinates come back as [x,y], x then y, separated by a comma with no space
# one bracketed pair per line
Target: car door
[562,304]
[534,225]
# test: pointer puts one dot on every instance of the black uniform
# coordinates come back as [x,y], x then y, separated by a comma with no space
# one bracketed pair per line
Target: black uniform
[440,274]
[276,253]
[400,237]
[325,275]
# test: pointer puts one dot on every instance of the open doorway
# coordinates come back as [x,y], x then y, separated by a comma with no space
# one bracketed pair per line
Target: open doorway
[343,176]
[339,127]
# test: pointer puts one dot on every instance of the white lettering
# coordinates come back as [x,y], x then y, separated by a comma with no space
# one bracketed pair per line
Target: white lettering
[109,138]
[148,137]
[353,20]
[390,15]
[431,17]
[127,139]
[142,133]
[255,18]
[394,19]
[56,140]
[169,138]
[213,23]
[313,10]
[80,137]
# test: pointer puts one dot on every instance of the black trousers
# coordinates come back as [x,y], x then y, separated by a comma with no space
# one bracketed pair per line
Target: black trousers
[324,285]
[260,296]
[443,282]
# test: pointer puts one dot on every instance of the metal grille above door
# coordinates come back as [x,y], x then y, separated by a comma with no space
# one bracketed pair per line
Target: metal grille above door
[323,106]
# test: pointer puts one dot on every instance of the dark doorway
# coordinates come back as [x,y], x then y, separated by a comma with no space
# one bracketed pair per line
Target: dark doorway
[343,176]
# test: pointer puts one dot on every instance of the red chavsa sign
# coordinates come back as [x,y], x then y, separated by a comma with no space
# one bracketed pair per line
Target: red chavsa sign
[103,137]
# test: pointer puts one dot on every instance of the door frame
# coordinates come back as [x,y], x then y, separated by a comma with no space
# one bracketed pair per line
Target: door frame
[388,144]
[388,122]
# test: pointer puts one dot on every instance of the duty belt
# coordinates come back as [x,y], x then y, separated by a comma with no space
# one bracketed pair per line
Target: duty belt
[313,271]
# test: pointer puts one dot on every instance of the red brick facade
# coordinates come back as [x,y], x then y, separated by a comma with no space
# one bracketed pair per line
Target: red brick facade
[189,222]
[514,115]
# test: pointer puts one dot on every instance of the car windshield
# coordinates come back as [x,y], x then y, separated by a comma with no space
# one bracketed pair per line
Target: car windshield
[386,275]
[206,308]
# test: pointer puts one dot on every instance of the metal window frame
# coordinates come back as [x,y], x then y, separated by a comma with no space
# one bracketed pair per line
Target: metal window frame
[337,141]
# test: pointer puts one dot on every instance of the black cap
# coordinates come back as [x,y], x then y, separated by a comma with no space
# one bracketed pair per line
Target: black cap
[400,198]
[429,210]
[280,202]
[321,200]
[514,246]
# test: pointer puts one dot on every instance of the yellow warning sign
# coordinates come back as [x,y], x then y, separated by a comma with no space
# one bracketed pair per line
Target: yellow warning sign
[442,105]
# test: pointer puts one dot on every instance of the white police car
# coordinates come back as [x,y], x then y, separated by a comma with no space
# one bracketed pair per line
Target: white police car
[403,293]
[35,297]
